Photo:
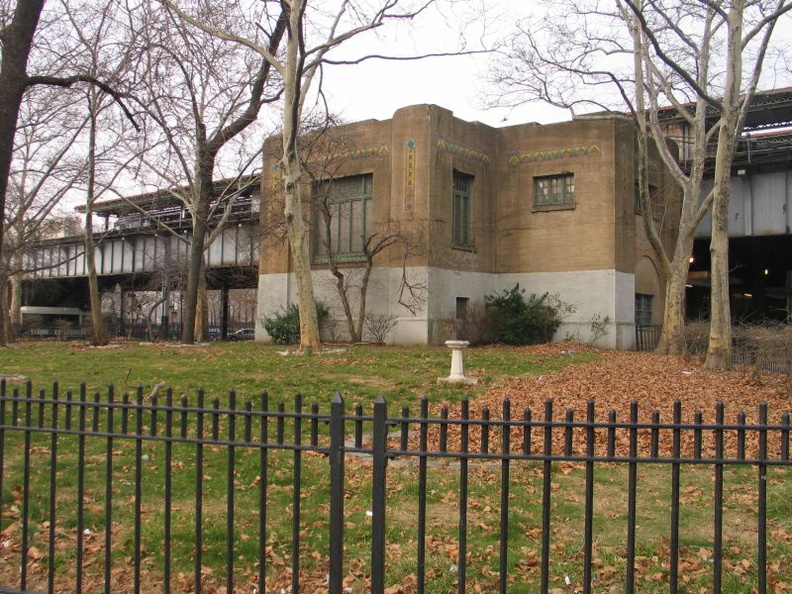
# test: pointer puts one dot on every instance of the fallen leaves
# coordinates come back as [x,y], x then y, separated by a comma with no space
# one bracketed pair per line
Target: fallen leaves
[613,382]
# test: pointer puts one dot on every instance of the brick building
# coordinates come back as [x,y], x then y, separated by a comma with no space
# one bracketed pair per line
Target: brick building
[549,207]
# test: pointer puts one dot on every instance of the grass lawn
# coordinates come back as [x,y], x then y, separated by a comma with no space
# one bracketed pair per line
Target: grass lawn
[360,373]
[402,374]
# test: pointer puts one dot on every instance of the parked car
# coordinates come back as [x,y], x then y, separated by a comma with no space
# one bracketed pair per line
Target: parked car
[243,334]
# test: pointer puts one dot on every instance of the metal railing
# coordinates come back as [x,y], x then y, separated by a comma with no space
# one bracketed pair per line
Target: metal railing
[72,465]
[647,337]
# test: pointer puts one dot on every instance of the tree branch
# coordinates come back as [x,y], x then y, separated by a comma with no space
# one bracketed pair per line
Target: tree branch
[69,81]
[263,51]
[251,112]
[668,60]
[405,58]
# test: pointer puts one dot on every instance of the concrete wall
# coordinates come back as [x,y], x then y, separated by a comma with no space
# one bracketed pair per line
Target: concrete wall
[608,295]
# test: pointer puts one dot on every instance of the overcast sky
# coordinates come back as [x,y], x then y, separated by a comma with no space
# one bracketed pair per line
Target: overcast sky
[377,88]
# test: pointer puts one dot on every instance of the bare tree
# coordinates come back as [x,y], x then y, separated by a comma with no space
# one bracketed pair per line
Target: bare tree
[92,30]
[649,58]
[199,94]
[17,38]
[105,50]
[311,33]
[743,32]
[42,174]
[17,34]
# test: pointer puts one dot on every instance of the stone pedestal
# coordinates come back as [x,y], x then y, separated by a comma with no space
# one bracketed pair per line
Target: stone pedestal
[457,365]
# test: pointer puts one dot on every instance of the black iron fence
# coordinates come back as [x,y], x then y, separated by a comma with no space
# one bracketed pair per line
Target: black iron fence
[647,337]
[156,492]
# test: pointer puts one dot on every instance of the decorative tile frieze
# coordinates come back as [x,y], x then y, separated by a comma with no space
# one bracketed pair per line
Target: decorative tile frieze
[377,152]
[462,151]
[591,149]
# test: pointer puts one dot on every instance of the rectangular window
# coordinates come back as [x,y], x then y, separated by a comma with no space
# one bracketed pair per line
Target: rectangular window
[643,309]
[461,308]
[461,207]
[342,216]
[654,200]
[554,191]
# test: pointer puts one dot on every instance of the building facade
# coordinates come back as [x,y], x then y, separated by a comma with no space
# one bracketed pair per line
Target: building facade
[551,208]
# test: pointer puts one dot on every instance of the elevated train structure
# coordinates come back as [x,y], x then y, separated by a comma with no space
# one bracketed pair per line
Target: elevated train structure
[143,246]
[760,216]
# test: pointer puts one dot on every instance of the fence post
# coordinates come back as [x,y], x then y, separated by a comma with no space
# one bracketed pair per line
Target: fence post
[379,448]
[761,545]
[336,494]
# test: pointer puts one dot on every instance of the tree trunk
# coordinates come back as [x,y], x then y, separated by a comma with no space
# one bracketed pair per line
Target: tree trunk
[97,322]
[202,308]
[17,39]
[5,330]
[301,256]
[363,293]
[719,351]
[299,241]
[672,337]
[341,289]
[16,295]
[201,191]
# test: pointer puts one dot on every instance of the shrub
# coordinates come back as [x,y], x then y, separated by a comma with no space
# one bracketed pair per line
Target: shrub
[517,321]
[284,328]
[696,338]
[599,327]
[379,325]
[766,346]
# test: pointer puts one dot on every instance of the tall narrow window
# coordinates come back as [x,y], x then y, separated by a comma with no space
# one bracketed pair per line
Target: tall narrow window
[342,216]
[554,191]
[654,200]
[461,207]
[643,309]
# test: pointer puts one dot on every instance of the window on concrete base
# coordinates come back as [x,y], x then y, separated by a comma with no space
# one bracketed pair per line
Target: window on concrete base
[643,309]
[554,191]
[462,209]
[342,217]
[461,308]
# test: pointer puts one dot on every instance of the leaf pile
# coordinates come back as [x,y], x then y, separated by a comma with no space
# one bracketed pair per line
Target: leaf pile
[613,382]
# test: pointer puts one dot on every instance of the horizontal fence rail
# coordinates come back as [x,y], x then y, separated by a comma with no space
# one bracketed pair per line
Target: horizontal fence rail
[143,493]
